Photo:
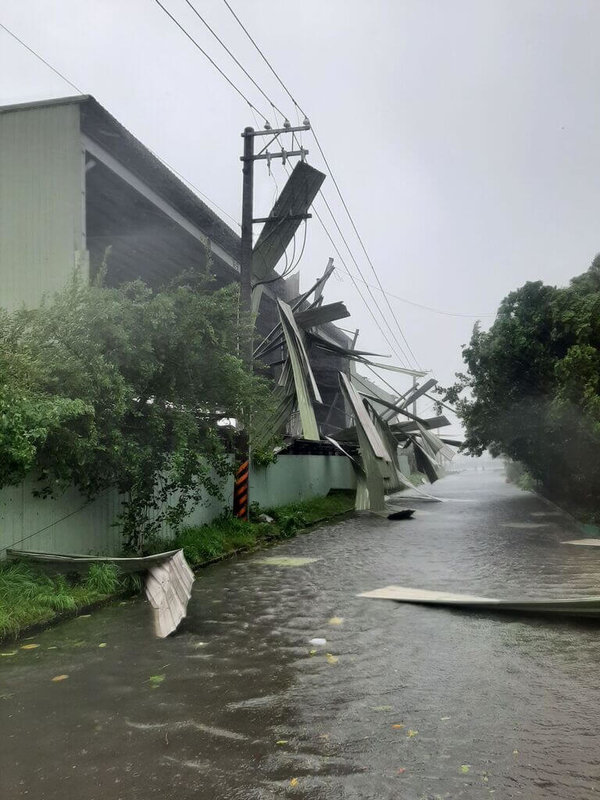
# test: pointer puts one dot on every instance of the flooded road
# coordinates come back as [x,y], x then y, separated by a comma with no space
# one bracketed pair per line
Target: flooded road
[400,702]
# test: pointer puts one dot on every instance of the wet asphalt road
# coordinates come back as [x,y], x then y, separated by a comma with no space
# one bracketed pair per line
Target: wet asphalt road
[402,701]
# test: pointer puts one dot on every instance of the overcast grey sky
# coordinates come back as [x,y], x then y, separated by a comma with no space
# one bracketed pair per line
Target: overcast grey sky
[464,133]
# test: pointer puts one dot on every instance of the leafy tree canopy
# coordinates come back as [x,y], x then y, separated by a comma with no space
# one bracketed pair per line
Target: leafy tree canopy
[122,388]
[532,386]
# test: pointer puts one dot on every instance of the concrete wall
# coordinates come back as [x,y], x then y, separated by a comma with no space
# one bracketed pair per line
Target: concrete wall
[70,524]
[42,225]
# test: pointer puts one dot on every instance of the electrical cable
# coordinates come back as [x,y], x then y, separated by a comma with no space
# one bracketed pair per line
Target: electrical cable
[43,60]
[358,236]
[428,308]
[318,143]
[56,522]
[264,58]
[360,272]
[162,160]
[212,61]
[360,294]
[275,109]
[244,70]
[358,291]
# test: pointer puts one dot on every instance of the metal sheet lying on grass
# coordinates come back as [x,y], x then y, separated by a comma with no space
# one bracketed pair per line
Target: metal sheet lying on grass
[72,562]
[168,582]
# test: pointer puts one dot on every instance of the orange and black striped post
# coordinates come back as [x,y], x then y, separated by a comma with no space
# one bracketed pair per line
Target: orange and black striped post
[240,491]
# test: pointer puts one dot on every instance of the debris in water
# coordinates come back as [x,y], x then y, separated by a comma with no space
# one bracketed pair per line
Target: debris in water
[58,678]
[318,642]
[411,734]
[156,680]
[11,653]
[336,620]
[29,646]
[331,659]
[405,513]
[285,561]
[464,768]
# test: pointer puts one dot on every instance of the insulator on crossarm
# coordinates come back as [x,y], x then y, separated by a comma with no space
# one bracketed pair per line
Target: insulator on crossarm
[306,122]
[287,123]
[267,126]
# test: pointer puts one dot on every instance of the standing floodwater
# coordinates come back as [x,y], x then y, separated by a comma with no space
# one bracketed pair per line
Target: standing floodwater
[401,702]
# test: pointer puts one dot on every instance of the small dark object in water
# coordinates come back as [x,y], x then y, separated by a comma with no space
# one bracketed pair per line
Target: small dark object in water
[406,513]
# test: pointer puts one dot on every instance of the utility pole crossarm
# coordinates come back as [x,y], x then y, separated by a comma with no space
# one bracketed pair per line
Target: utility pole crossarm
[277,131]
[284,155]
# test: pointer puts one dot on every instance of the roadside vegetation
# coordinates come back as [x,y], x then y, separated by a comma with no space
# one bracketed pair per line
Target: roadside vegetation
[226,535]
[122,388]
[30,596]
[532,388]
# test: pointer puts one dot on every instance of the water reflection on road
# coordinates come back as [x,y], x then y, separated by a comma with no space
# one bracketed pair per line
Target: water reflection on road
[401,702]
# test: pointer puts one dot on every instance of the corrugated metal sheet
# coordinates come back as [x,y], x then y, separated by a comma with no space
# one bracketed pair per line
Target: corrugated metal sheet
[41,203]
[69,524]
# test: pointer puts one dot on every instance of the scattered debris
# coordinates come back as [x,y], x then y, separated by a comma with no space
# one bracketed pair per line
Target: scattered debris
[285,561]
[406,513]
[573,606]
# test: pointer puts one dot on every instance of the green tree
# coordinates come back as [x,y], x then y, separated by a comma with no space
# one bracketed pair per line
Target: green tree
[531,390]
[122,388]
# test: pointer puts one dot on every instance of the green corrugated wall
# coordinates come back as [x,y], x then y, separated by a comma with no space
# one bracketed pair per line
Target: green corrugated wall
[42,222]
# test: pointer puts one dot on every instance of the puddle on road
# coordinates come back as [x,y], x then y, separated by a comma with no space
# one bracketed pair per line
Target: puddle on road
[546,514]
[526,526]
[188,724]
[285,561]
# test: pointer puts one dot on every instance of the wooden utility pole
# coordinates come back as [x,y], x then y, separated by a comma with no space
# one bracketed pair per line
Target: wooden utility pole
[241,491]
[246,250]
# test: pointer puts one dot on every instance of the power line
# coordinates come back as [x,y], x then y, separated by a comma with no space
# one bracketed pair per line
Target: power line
[406,360]
[427,308]
[205,54]
[358,236]
[195,188]
[43,60]
[244,70]
[360,294]
[74,86]
[264,58]
[347,210]
[275,110]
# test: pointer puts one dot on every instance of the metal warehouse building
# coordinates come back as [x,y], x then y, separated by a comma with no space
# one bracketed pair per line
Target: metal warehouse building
[74,182]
